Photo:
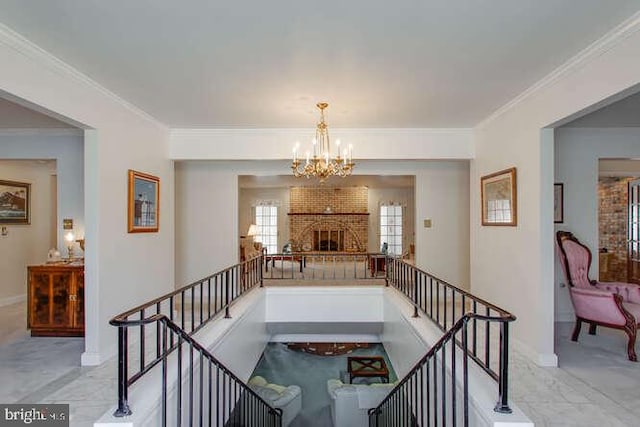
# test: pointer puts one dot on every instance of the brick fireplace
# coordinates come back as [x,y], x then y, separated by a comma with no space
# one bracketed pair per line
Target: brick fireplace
[329,219]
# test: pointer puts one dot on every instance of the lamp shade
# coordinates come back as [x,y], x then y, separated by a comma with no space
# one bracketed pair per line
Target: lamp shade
[253,230]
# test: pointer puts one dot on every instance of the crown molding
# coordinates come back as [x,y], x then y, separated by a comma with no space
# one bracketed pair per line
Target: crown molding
[605,43]
[34,52]
[41,131]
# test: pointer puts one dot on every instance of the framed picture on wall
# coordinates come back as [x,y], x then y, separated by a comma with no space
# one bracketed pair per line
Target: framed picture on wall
[558,203]
[499,198]
[143,202]
[15,202]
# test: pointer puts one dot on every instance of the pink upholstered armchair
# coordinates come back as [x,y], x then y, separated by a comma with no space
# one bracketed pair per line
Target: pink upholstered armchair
[610,304]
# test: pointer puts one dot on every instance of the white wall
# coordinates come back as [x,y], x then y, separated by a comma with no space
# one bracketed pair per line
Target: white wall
[122,269]
[321,304]
[207,238]
[401,341]
[577,151]
[25,244]
[513,266]
[276,144]
[67,148]
[442,195]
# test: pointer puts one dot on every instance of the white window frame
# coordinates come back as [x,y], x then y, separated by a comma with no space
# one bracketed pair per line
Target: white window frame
[391,228]
[266,220]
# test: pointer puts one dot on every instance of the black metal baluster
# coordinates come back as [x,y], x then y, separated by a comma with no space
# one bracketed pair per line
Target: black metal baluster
[171,314]
[123,372]
[487,353]
[465,376]
[201,406]
[142,341]
[443,377]
[503,380]
[220,421]
[453,380]
[210,399]
[182,310]
[158,333]
[438,302]
[193,309]
[435,391]
[164,374]
[415,294]
[208,298]
[474,345]
[201,302]
[226,295]
[179,376]
[190,384]
[445,308]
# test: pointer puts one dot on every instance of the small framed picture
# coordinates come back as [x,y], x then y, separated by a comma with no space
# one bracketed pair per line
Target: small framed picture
[15,202]
[143,202]
[558,203]
[499,198]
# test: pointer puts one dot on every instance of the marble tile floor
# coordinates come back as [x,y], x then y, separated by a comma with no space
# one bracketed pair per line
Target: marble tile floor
[594,385]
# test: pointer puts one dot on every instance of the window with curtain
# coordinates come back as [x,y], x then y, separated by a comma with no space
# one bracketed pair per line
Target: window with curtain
[391,228]
[267,224]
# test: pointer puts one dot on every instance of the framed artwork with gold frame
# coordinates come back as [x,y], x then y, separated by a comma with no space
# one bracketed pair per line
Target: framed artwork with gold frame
[143,203]
[15,202]
[499,198]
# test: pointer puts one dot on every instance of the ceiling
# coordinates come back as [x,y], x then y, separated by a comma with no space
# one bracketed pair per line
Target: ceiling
[407,63]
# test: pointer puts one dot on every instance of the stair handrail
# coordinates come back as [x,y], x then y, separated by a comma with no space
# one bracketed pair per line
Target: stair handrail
[449,335]
[415,284]
[226,286]
[188,338]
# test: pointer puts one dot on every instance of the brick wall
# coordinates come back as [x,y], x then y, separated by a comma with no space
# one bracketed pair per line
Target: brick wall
[612,218]
[340,200]
[329,209]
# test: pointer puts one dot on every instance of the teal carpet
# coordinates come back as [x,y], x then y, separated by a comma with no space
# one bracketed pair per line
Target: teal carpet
[279,365]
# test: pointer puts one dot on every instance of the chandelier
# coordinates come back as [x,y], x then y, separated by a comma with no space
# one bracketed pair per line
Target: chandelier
[321,165]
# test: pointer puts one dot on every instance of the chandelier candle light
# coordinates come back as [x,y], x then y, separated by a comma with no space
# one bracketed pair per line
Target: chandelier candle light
[321,165]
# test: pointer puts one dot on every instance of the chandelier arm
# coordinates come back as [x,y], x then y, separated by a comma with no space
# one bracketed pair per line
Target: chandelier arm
[322,166]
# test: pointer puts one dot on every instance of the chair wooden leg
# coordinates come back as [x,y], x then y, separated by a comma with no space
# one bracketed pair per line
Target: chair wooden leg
[631,345]
[592,329]
[576,329]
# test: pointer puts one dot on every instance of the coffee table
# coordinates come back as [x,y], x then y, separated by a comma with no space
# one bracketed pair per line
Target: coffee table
[367,367]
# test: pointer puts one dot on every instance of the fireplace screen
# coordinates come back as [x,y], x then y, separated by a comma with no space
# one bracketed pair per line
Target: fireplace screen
[328,240]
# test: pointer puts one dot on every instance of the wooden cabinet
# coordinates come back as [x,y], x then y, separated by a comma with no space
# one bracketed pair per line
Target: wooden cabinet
[56,300]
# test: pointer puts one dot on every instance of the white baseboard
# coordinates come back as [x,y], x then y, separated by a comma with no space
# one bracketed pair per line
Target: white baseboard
[12,300]
[540,359]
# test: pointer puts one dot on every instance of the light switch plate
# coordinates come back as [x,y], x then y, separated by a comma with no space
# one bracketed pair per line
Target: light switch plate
[427,223]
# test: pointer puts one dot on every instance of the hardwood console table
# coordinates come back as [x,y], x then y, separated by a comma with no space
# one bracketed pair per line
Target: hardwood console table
[56,299]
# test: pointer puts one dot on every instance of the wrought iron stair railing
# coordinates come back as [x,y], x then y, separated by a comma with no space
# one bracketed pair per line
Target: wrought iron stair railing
[486,342]
[435,392]
[184,312]
[205,391]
